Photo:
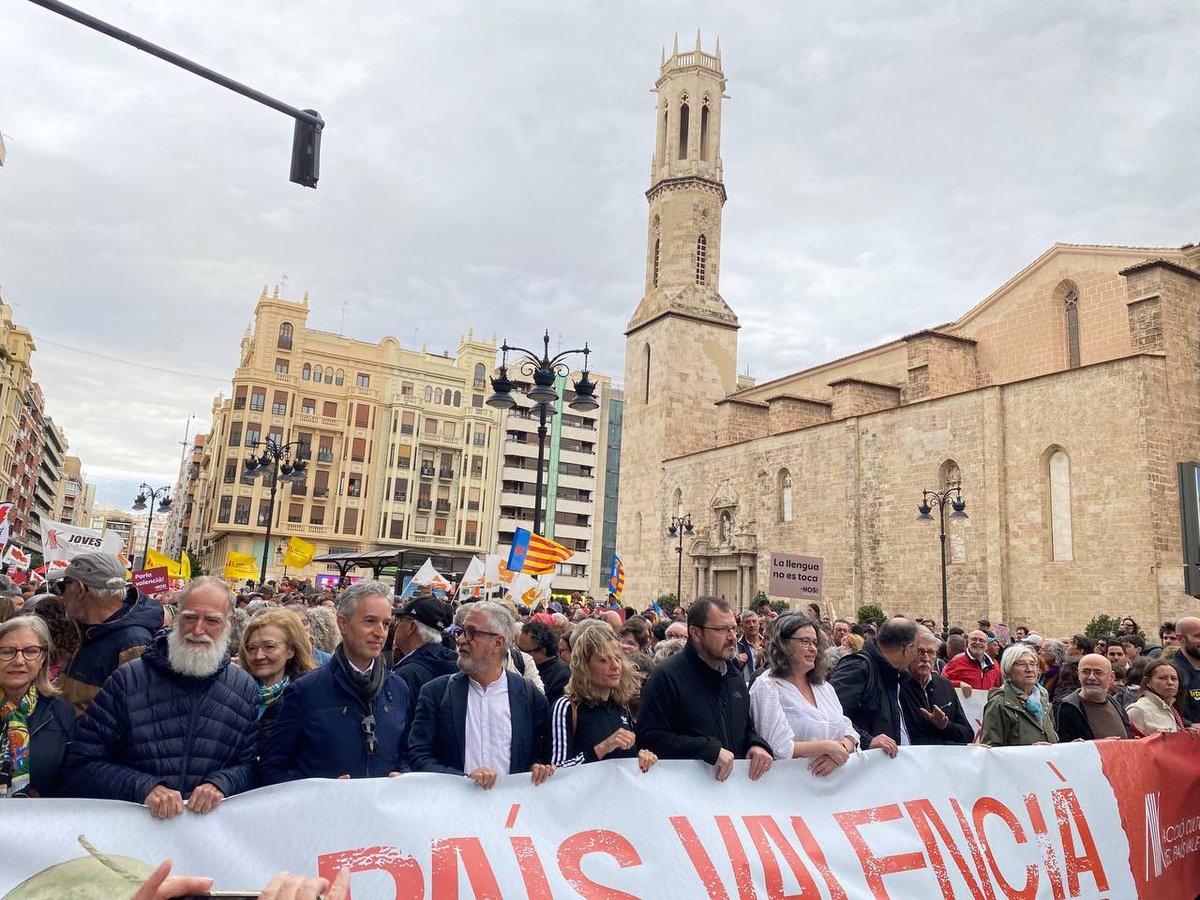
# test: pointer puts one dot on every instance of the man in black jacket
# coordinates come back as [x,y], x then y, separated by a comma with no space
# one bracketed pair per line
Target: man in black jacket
[931,709]
[695,704]
[868,685]
[540,641]
[1091,713]
[418,651]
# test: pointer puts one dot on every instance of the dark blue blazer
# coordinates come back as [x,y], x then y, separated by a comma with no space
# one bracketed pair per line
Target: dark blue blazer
[437,740]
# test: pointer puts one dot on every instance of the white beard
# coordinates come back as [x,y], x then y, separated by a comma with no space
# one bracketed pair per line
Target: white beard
[195,659]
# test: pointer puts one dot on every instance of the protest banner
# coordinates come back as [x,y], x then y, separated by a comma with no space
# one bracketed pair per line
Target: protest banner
[152,581]
[794,576]
[62,542]
[16,557]
[1114,819]
[6,517]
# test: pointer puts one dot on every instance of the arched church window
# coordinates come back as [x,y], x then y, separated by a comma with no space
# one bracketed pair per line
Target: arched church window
[1058,471]
[1071,308]
[480,375]
[949,475]
[701,259]
[683,129]
[306,371]
[677,502]
[657,250]
[285,336]
[704,132]
[785,495]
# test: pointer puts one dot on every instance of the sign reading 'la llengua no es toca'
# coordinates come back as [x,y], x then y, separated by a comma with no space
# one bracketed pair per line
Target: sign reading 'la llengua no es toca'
[798,577]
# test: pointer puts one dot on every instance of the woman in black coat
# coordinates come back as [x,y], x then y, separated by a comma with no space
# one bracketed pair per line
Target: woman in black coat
[35,726]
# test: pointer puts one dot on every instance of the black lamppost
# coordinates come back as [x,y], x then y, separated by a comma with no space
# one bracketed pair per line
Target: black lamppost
[952,495]
[544,370]
[147,493]
[679,527]
[282,463]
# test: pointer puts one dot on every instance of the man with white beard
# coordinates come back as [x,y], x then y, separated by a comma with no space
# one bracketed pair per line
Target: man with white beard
[177,727]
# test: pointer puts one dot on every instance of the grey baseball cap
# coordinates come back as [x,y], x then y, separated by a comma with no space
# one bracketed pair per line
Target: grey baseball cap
[100,571]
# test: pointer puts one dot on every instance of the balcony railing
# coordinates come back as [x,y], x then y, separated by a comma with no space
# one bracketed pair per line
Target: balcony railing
[325,456]
[426,471]
[320,493]
[443,506]
[445,474]
[424,503]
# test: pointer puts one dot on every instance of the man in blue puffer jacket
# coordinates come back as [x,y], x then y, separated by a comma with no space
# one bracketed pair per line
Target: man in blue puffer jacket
[177,726]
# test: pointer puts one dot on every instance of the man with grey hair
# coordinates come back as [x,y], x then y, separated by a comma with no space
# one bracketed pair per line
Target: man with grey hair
[931,709]
[115,623]
[483,721]
[178,725]
[349,718]
[417,644]
[868,685]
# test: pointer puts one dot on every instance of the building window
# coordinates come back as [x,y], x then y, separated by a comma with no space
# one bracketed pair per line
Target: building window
[657,251]
[253,434]
[329,409]
[358,452]
[317,516]
[281,367]
[279,404]
[285,336]
[677,503]
[235,434]
[1071,303]
[350,521]
[306,372]
[396,529]
[295,513]
[471,533]
[223,510]
[362,415]
[406,389]
[785,495]
[264,510]
[683,128]
[428,393]
[308,406]
[449,429]
[704,132]
[422,524]
[340,378]
[479,438]
[317,373]
[400,493]
[646,356]
[1058,469]
[448,397]
[407,420]
[329,376]
[364,381]
[701,259]
[258,399]
[437,395]
[458,398]
[239,397]
[354,486]
[477,401]
[230,472]
[480,376]
[431,426]
[241,514]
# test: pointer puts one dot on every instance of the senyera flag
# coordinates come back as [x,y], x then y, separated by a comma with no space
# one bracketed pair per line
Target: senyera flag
[616,577]
[534,554]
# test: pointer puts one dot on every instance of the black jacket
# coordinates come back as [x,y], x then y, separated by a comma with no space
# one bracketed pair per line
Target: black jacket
[1189,686]
[427,662]
[938,692]
[554,674]
[1071,721]
[50,729]
[689,710]
[866,687]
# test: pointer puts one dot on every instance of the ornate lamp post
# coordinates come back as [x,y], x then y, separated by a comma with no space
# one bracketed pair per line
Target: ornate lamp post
[145,499]
[952,495]
[284,464]
[680,527]
[544,370]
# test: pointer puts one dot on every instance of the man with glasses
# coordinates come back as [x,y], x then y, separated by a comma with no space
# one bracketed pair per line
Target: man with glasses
[176,727]
[115,623]
[868,685]
[483,721]
[974,667]
[695,704]
[931,709]
[347,719]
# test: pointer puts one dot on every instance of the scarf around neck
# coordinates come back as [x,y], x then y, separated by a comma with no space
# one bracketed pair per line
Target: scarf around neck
[14,763]
[268,694]
[1033,701]
[366,686]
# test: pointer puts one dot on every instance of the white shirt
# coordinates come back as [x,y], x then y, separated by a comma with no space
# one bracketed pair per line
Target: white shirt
[783,715]
[905,740]
[489,726]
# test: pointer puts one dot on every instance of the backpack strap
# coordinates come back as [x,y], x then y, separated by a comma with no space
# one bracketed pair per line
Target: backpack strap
[518,660]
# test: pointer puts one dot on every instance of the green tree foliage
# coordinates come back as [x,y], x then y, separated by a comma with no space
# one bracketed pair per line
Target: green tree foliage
[1102,624]
[871,613]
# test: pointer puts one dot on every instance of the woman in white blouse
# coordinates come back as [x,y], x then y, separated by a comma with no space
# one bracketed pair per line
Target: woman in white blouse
[795,709]
[1157,707]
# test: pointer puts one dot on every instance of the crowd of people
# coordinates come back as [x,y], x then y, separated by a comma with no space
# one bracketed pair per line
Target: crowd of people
[180,701]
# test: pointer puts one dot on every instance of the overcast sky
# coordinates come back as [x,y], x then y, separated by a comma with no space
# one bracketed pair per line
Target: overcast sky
[484,166]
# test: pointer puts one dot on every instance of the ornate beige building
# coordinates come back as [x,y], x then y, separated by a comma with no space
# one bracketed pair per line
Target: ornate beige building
[1062,402]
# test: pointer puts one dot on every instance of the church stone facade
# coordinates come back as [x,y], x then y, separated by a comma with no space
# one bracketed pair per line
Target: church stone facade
[1061,403]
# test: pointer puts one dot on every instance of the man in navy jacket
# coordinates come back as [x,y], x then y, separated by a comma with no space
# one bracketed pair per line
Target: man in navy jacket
[483,721]
[177,725]
[348,718]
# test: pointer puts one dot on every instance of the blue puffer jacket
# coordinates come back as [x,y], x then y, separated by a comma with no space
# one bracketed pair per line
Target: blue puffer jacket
[105,646]
[150,725]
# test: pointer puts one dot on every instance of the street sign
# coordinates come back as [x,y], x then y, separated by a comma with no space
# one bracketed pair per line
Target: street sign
[795,576]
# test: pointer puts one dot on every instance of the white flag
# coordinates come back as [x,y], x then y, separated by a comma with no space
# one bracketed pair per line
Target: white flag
[16,557]
[495,573]
[529,590]
[64,542]
[428,575]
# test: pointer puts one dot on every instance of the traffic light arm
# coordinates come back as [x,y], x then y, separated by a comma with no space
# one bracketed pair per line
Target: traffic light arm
[308,121]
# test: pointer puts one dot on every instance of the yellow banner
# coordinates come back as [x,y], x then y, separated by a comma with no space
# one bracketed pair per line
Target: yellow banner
[185,566]
[154,560]
[240,565]
[299,553]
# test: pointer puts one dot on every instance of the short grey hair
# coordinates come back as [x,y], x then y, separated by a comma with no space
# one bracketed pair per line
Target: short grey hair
[322,624]
[107,595]
[924,634]
[426,634]
[500,620]
[9,588]
[668,648]
[347,603]
[1009,657]
[1057,649]
[203,581]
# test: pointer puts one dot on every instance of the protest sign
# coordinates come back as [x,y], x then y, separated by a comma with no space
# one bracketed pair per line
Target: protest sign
[152,581]
[1114,819]
[16,557]
[795,576]
[62,542]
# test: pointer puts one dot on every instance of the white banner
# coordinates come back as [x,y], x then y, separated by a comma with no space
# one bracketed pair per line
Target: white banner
[62,542]
[1113,820]
[16,557]
[6,517]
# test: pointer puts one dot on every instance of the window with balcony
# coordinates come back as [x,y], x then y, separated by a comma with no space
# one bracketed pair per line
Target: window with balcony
[235,434]
[407,421]
[258,399]
[354,486]
[239,397]
[279,403]
[449,430]
[223,510]
[321,484]
[350,521]
[295,513]
[358,451]
[308,406]
[363,380]
[281,367]
[284,342]
[431,426]
[400,491]
[316,516]
[403,457]
[421,524]
[439,527]
[241,513]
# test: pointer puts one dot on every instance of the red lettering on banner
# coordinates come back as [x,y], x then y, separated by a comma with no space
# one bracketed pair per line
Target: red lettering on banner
[813,849]
[926,820]
[1038,821]
[532,871]
[1066,810]
[990,806]
[699,858]
[763,831]
[405,871]
[876,867]
[598,840]
[737,858]
[446,854]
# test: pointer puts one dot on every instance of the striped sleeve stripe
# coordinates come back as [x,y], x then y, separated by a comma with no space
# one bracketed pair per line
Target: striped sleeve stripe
[562,737]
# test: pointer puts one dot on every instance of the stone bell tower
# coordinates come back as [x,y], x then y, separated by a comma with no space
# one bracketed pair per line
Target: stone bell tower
[681,343]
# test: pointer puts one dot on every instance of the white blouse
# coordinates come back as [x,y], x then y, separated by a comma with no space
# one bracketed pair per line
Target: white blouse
[782,715]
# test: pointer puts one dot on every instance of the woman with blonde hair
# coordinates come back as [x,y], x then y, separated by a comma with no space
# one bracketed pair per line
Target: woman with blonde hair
[275,650]
[592,720]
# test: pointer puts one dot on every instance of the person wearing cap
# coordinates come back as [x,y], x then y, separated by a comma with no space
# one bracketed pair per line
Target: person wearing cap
[418,651]
[116,624]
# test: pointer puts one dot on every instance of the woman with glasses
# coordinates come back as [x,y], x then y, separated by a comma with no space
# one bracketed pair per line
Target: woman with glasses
[276,651]
[1018,713]
[794,708]
[35,725]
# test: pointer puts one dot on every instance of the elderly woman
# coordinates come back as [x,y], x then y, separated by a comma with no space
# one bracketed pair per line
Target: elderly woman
[592,720]
[1018,712]
[794,708]
[1158,706]
[275,650]
[1051,654]
[35,725]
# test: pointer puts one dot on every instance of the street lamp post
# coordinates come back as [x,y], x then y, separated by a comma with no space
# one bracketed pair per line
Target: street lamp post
[145,499]
[679,527]
[283,463]
[953,496]
[544,370]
